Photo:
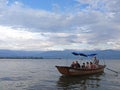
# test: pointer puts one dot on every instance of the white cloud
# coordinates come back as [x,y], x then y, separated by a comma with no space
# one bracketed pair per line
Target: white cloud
[21,39]
[94,27]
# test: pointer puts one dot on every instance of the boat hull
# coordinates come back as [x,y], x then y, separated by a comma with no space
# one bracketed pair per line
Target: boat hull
[65,70]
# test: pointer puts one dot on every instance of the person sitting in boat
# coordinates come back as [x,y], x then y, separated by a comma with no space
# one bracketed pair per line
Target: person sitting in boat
[87,65]
[73,65]
[83,66]
[77,64]
[92,65]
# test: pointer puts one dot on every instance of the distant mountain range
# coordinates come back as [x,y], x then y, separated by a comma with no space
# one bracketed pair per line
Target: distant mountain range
[66,54]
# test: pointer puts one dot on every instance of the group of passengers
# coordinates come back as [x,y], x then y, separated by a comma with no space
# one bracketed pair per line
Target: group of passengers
[87,65]
[75,64]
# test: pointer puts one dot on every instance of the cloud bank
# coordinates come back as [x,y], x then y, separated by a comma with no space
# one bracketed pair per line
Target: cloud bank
[93,24]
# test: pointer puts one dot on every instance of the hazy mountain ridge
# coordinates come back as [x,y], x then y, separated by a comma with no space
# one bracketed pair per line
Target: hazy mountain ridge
[104,54]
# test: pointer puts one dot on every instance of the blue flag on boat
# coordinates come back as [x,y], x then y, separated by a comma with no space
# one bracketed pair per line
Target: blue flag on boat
[81,54]
[75,53]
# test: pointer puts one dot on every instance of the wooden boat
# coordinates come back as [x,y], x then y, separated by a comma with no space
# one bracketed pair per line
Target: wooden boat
[71,71]
[66,70]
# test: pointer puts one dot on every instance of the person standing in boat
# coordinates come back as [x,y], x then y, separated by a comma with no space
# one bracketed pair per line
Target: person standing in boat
[96,61]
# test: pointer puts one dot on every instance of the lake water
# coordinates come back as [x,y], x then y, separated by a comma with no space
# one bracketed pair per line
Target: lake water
[41,74]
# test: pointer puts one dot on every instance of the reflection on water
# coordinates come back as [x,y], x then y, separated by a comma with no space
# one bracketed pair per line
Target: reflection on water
[79,82]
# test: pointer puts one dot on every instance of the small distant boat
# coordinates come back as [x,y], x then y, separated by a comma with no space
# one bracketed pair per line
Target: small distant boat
[65,70]
[70,71]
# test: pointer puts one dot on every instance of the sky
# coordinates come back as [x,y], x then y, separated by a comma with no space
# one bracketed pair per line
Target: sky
[42,25]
